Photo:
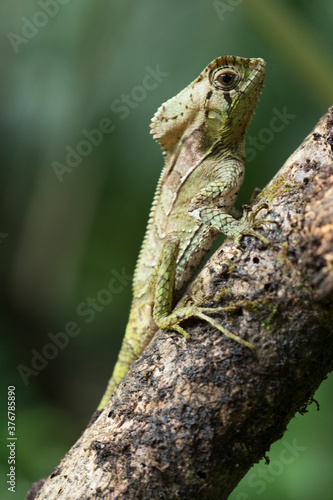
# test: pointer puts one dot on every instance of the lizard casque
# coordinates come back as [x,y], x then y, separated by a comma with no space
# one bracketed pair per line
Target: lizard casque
[202,133]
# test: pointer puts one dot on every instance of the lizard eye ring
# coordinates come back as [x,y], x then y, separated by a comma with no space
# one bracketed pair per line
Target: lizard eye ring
[225,79]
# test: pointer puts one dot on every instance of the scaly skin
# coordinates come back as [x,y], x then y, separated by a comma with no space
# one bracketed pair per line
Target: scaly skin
[202,132]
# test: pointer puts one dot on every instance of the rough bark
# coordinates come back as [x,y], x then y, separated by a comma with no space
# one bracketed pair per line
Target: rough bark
[191,418]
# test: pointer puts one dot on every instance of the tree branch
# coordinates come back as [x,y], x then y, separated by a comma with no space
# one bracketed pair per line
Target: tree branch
[191,418]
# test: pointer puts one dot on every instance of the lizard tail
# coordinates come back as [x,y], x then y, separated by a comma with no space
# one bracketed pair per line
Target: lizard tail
[126,356]
[139,332]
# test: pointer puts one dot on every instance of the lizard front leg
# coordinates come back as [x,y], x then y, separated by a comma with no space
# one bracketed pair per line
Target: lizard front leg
[213,203]
[163,287]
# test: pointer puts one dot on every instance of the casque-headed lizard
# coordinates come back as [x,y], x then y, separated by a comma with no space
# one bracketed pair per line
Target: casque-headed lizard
[202,133]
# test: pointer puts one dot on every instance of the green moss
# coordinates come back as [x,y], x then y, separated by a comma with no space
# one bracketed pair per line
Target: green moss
[277,188]
[264,309]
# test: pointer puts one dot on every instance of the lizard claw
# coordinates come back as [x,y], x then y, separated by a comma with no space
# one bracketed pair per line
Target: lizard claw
[248,224]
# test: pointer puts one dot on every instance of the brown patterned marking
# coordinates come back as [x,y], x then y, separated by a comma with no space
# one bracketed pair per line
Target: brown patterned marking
[209,95]
[228,98]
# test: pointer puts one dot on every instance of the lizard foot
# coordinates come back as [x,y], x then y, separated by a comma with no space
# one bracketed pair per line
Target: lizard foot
[172,321]
[200,313]
[247,224]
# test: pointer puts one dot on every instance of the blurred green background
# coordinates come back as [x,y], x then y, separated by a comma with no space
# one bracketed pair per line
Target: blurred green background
[67,68]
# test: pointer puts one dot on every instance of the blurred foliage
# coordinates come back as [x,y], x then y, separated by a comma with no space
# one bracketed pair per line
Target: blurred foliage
[66,66]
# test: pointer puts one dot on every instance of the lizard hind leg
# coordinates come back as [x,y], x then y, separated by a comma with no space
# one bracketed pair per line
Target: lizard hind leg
[163,286]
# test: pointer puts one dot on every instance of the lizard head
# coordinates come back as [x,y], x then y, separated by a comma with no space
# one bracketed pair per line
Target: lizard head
[220,102]
[236,84]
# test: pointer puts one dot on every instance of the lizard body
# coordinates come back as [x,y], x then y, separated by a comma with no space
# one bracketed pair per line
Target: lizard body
[202,133]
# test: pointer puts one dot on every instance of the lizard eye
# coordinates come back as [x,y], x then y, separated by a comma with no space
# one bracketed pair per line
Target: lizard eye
[226,80]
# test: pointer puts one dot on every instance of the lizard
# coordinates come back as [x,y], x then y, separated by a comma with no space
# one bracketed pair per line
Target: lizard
[202,134]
